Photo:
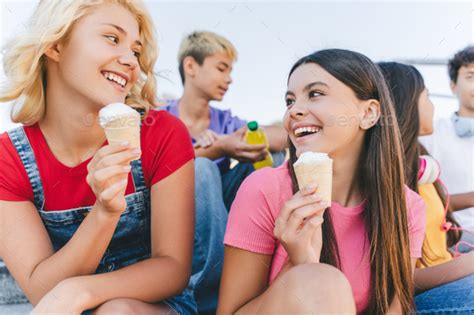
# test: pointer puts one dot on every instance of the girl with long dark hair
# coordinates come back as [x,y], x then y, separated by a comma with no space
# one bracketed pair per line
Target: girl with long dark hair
[438,274]
[287,251]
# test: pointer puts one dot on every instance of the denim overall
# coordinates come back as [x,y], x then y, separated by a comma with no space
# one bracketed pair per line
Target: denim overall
[131,240]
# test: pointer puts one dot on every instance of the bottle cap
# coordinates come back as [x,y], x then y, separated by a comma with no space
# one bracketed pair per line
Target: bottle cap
[252,125]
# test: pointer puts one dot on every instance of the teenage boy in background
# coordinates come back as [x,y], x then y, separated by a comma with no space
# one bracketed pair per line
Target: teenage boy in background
[452,143]
[205,65]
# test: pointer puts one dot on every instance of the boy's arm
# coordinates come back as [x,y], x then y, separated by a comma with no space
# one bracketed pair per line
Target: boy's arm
[233,146]
[212,152]
[462,201]
[277,138]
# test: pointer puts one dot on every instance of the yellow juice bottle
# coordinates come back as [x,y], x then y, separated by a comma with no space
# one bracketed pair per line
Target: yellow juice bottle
[255,135]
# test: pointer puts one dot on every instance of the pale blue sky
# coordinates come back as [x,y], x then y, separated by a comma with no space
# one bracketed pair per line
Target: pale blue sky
[270,36]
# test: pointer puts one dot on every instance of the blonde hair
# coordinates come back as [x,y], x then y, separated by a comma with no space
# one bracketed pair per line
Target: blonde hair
[25,60]
[200,45]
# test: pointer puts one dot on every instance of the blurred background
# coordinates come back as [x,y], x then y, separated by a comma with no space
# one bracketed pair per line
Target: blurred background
[271,35]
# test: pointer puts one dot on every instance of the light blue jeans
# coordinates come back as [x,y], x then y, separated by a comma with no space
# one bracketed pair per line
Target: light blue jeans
[468,238]
[456,297]
[211,220]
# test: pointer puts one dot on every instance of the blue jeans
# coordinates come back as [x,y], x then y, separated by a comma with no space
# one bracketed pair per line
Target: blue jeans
[456,297]
[468,238]
[211,220]
[214,193]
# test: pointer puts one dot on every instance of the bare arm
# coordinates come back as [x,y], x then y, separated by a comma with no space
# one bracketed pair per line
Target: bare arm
[277,138]
[28,253]
[212,152]
[244,277]
[462,201]
[431,277]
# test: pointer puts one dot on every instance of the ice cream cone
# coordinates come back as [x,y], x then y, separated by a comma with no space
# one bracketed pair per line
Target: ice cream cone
[317,170]
[121,124]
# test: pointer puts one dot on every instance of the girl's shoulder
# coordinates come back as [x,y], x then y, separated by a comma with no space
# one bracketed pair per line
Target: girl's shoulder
[416,208]
[166,145]
[255,209]
[7,148]
[159,118]
[414,200]
[14,183]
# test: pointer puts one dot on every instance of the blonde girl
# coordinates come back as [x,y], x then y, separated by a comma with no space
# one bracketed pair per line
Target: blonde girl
[83,227]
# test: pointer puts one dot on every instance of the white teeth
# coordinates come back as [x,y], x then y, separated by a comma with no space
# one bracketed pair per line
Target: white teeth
[301,130]
[113,77]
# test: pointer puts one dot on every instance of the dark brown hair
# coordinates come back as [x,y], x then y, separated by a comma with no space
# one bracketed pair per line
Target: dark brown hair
[381,181]
[406,85]
[461,58]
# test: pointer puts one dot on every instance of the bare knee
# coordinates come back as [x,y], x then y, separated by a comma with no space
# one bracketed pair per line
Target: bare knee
[320,287]
[317,277]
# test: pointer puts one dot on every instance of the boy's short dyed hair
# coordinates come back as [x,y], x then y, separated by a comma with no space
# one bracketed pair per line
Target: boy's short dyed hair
[461,58]
[202,44]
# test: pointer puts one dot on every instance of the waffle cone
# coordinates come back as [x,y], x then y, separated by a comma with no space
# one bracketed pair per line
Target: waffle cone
[319,173]
[124,129]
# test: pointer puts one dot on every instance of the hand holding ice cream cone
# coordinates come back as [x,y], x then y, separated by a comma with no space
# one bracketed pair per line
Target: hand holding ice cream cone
[315,169]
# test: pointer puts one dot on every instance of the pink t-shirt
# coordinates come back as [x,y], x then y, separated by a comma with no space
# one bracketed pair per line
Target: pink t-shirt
[258,204]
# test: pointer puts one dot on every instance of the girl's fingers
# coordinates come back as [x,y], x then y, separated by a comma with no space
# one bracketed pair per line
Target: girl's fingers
[299,216]
[312,224]
[300,199]
[104,174]
[108,150]
[122,157]
[109,193]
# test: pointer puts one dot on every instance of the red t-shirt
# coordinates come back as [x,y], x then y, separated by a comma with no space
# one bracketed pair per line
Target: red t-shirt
[166,146]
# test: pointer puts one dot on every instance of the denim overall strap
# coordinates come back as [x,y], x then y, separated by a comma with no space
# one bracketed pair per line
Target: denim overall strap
[137,175]
[27,156]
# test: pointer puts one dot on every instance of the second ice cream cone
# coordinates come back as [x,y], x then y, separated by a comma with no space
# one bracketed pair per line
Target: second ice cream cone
[316,172]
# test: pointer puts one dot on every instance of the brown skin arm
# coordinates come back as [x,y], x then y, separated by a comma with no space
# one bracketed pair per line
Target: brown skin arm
[28,252]
[462,201]
[277,138]
[244,277]
[431,277]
